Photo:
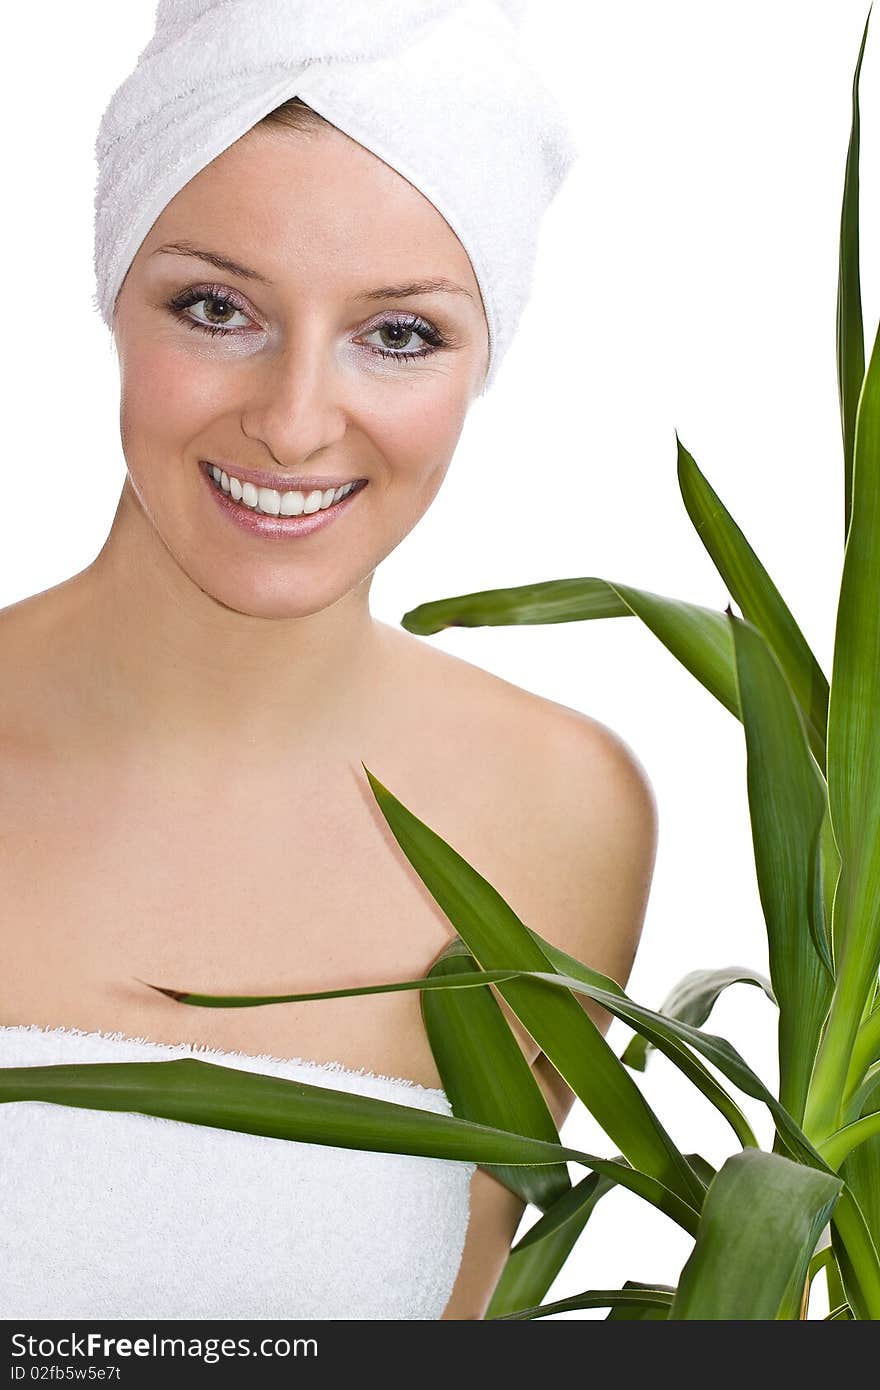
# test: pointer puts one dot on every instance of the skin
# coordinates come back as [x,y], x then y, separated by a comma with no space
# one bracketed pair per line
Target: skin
[204,698]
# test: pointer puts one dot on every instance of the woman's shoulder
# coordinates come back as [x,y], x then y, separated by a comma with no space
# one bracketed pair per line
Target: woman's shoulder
[572,807]
[567,751]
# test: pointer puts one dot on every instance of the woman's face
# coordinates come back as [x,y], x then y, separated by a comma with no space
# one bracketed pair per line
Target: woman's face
[300,370]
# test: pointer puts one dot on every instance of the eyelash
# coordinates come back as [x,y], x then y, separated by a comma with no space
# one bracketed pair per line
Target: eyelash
[197,294]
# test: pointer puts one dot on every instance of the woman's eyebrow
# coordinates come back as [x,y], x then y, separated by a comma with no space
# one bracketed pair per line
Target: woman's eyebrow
[186,248]
[414,287]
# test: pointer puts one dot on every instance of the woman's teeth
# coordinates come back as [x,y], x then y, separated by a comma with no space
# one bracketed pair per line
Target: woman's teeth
[274,503]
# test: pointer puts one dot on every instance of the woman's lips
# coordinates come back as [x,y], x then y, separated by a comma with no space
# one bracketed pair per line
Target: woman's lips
[280,527]
[281,482]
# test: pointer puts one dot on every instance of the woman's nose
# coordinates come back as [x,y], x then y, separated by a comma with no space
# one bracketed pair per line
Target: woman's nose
[294,403]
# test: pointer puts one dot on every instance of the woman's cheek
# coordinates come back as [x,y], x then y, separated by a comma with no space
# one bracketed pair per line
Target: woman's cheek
[167,395]
[426,423]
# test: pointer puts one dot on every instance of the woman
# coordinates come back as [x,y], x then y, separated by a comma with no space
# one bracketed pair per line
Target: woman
[300,334]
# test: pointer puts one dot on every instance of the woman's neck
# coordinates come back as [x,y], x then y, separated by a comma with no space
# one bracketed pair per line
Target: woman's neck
[169,663]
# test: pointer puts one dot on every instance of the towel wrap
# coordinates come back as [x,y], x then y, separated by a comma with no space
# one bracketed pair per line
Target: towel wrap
[440,90]
[116,1214]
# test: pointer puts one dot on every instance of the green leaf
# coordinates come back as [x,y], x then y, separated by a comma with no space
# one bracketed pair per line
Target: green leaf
[762,1213]
[786,805]
[856,1255]
[633,1296]
[698,637]
[580,978]
[861,1276]
[717,1050]
[850,328]
[843,1142]
[854,739]
[693,999]
[557,1022]
[536,1260]
[487,1077]
[548,601]
[842,1313]
[646,1312]
[854,767]
[665,1041]
[830,869]
[680,1055]
[861,1170]
[760,601]
[865,1056]
[203,1093]
[683,1058]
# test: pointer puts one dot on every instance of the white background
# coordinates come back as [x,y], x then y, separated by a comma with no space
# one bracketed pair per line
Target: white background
[687,281]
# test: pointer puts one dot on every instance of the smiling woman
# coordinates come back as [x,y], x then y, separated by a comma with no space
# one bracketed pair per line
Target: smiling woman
[295,380]
[304,307]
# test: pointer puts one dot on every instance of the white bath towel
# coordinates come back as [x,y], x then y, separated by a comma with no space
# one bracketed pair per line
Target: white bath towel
[441,90]
[114,1214]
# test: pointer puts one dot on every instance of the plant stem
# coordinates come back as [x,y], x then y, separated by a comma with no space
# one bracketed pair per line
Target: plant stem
[866,1051]
[835,1148]
[836,1291]
[826,1093]
[856,1238]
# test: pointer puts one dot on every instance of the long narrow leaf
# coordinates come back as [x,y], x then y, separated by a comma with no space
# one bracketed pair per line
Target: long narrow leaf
[861,1170]
[854,765]
[857,1257]
[680,1055]
[633,1312]
[760,1223]
[830,870]
[636,1296]
[842,1313]
[854,738]
[693,999]
[557,1022]
[535,1261]
[843,1142]
[547,601]
[698,637]
[487,1077]
[203,1093]
[850,1232]
[850,327]
[581,979]
[761,603]
[717,1050]
[865,1054]
[786,806]
[863,1093]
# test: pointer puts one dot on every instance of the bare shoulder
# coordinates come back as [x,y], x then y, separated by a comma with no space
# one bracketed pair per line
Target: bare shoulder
[572,806]
[595,821]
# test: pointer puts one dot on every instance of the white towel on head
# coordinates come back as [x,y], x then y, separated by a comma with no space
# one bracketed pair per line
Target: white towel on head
[441,90]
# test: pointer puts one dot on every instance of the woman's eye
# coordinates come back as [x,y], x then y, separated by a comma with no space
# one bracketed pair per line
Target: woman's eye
[396,335]
[217,315]
[210,311]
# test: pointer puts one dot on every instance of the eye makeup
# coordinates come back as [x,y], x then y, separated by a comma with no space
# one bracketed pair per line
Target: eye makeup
[405,324]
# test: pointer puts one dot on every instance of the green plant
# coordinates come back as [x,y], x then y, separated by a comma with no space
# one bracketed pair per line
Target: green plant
[813,771]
